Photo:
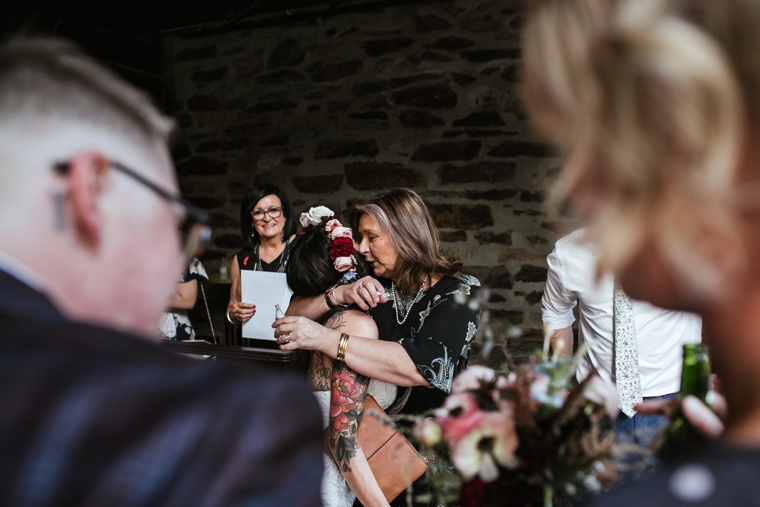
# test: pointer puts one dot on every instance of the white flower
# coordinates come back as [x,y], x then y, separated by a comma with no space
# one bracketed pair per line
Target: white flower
[491,443]
[602,393]
[428,431]
[471,378]
[314,216]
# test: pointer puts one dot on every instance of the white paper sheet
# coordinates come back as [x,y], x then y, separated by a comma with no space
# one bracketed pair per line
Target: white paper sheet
[265,290]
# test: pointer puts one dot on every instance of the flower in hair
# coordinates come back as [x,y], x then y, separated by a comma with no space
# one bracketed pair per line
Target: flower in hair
[315,216]
[341,247]
[331,225]
[349,276]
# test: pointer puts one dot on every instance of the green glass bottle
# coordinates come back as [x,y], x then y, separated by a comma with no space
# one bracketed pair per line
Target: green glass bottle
[679,437]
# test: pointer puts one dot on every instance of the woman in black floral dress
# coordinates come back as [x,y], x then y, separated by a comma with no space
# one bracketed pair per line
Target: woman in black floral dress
[424,307]
[422,303]
[175,324]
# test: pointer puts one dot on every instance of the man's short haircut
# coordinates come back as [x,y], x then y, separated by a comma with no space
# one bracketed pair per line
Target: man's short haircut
[51,79]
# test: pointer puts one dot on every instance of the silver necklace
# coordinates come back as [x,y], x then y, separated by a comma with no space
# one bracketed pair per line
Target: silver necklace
[397,303]
[283,258]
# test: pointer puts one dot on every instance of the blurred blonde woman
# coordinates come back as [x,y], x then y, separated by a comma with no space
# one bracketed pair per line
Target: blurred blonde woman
[657,129]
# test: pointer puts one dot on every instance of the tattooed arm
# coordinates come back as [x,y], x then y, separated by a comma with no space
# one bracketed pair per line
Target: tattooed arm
[348,392]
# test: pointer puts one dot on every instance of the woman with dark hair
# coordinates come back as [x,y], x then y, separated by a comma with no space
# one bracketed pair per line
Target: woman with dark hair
[426,328]
[268,227]
[322,258]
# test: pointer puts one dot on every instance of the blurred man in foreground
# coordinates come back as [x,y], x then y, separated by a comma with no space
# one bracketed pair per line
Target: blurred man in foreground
[93,413]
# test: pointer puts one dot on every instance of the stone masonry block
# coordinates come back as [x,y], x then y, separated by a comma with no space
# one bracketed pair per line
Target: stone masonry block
[480,119]
[448,151]
[489,172]
[430,96]
[485,238]
[461,216]
[419,119]
[287,54]
[328,149]
[381,175]
[377,48]
[203,103]
[531,274]
[452,43]
[206,166]
[510,149]
[336,71]
[430,23]
[326,184]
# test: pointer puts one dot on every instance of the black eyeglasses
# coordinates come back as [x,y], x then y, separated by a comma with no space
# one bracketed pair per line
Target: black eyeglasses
[275,212]
[194,229]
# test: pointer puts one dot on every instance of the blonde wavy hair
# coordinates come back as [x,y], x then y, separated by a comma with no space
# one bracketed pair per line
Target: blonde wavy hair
[648,115]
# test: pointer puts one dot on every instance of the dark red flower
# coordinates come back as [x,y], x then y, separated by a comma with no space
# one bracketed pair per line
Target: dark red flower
[472,493]
[341,247]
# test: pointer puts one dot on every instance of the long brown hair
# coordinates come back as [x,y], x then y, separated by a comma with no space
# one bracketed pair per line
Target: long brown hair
[403,214]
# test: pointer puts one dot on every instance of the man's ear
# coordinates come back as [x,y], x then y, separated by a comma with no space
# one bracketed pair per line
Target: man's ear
[87,173]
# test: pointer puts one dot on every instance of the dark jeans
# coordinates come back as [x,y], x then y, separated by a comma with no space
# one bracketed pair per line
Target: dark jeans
[634,437]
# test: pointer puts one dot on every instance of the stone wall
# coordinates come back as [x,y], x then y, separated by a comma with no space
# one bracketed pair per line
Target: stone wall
[424,96]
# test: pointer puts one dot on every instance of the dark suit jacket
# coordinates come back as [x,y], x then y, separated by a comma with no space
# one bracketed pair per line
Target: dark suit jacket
[91,416]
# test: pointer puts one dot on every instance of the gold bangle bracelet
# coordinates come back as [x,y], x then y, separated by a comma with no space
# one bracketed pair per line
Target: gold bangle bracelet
[342,344]
[229,319]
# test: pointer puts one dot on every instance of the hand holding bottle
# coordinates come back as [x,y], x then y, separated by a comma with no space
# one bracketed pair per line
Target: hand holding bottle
[681,436]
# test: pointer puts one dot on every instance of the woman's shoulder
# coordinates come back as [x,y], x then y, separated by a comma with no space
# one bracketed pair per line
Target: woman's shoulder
[462,284]
[352,321]
[246,258]
[195,271]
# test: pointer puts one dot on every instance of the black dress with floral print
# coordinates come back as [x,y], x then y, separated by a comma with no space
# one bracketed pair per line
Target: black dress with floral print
[436,335]
[175,325]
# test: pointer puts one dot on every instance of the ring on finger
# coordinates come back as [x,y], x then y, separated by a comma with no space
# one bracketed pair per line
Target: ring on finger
[287,338]
[360,287]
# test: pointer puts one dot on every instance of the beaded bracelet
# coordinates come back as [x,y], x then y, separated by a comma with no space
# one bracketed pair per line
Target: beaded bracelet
[342,344]
[330,305]
[330,295]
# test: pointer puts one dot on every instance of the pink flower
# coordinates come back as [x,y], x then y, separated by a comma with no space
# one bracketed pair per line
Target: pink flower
[471,378]
[458,415]
[341,232]
[343,264]
[492,443]
[602,393]
[332,224]
[501,394]
[428,431]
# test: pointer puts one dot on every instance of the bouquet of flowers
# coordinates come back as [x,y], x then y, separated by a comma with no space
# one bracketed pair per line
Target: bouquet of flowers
[532,436]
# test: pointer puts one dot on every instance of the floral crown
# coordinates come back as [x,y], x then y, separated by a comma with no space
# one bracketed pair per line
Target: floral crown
[341,240]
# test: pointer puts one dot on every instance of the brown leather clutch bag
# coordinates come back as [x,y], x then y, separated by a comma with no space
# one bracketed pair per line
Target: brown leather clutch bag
[392,458]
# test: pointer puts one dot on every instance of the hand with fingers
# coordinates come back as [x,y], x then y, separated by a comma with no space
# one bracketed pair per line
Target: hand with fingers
[706,420]
[294,333]
[366,293]
[240,312]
